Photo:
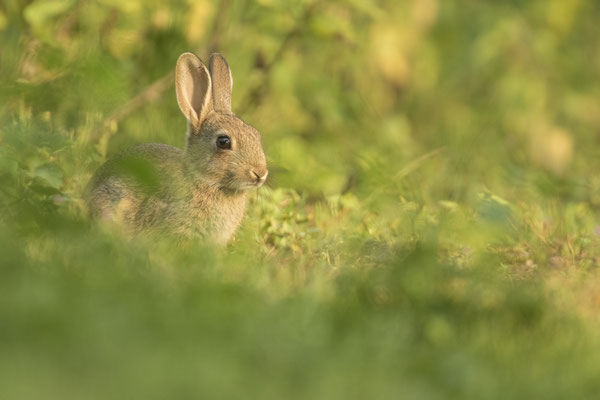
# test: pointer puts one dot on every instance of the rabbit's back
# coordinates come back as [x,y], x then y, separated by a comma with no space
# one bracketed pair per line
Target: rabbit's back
[137,186]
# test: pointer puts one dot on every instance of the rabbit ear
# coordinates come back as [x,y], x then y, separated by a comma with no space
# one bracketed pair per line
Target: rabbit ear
[222,83]
[193,87]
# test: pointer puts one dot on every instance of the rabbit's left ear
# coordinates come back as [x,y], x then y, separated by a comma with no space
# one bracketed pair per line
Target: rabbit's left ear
[222,83]
[193,88]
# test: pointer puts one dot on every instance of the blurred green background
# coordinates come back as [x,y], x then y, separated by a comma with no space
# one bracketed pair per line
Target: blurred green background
[431,227]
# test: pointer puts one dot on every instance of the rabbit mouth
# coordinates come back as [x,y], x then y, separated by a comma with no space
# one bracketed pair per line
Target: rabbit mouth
[249,181]
[255,181]
[252,185]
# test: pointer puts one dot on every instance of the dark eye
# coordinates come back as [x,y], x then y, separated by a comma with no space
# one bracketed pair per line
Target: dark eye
[223,142]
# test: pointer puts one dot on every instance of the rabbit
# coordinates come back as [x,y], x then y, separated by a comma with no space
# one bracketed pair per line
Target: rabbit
[197,192]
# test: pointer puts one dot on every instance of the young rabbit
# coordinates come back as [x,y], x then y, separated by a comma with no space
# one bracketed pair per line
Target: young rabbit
[196,192]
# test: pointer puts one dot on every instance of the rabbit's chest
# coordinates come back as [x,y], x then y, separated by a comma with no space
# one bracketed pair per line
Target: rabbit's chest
[216,217]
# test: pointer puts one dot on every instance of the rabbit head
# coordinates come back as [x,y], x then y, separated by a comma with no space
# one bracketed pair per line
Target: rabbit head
[221,150]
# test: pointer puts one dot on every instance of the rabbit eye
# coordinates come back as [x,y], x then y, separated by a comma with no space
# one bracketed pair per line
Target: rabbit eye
[223,142]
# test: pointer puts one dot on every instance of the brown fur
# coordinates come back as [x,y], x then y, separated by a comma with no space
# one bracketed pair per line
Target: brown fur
[196,192]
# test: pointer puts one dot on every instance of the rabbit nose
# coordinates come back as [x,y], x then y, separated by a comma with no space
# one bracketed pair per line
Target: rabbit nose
[260,174]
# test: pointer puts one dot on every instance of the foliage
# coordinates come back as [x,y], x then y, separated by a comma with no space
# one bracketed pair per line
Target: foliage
[431,227]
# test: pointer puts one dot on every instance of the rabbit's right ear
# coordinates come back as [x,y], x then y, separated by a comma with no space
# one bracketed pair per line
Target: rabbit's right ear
[222,82]
[193,87]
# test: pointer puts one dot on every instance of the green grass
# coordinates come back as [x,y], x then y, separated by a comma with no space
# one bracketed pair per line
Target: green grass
[431,227]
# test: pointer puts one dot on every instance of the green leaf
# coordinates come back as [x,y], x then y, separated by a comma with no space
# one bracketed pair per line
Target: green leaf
[40,11]
[3,20]
[51,174]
